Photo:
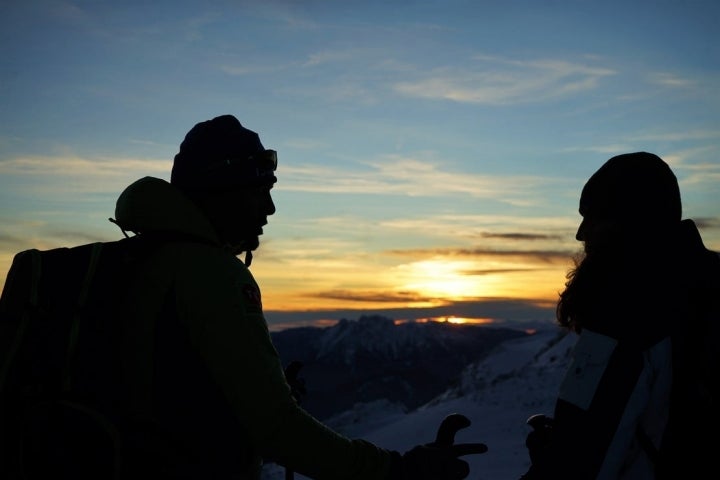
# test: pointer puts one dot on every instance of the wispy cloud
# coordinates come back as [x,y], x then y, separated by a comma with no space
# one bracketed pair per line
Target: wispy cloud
[371,296]
[704,151]
[393,299]
[52,175]
[705,222]
[306,144]
[40,237]
[678,136]
[498,81]
[483,225]
[255,69]
[66,11]
[519,236]
[329,56]
[397,175]
[666,79]
[79,166]
[543,256]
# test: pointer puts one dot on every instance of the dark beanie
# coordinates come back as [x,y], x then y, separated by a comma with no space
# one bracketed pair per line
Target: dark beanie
[221,154]
[635,188]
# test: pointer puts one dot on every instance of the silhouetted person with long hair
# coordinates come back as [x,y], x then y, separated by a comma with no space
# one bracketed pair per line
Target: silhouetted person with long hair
[631,296]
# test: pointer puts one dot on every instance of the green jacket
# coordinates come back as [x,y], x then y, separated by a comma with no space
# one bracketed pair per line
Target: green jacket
[229,396]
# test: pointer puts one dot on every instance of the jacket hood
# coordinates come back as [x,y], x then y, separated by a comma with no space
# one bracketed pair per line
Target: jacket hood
[153,205]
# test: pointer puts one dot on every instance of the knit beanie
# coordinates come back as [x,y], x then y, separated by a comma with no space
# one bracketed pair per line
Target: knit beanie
[634,188]
[221,154]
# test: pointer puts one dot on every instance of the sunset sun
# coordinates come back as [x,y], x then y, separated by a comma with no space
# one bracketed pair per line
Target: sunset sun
[444,279]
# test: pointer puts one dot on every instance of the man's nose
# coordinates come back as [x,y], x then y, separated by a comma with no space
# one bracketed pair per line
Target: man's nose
[270,206]
[580,234]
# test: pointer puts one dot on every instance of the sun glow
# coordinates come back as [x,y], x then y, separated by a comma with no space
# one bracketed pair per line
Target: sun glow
[445,279]
[452,319]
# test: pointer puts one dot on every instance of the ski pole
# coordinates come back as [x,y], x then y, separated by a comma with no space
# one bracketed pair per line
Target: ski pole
[297,386]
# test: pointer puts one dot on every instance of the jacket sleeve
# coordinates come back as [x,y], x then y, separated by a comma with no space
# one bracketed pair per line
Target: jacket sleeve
[594,400]
[223,310]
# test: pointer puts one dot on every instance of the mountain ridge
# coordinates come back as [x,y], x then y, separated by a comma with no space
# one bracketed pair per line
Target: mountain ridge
[372,358]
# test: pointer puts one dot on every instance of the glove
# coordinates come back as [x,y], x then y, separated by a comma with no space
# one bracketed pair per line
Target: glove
[538,440]
[297,385]
[438,460]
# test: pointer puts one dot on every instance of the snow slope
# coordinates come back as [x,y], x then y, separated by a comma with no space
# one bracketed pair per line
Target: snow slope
[518,379]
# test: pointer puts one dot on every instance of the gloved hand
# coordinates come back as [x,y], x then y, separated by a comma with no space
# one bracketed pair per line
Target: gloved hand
[297,385]
[538,440]
[438,460]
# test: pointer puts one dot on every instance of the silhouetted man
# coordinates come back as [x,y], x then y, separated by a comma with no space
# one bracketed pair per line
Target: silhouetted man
[219,386]
[631,297]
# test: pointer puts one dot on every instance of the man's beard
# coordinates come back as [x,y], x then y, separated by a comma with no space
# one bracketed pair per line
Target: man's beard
[594,270]
[252,242]
[248,244]
[240,239]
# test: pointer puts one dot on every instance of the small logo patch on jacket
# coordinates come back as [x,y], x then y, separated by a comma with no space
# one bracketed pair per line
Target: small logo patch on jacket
[252,295]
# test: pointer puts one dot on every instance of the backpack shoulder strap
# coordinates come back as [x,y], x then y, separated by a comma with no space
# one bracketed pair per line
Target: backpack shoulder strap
[95,251]
[20,293]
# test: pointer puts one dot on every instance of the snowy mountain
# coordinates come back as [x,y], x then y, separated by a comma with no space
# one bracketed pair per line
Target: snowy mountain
[517,378]
[374,359]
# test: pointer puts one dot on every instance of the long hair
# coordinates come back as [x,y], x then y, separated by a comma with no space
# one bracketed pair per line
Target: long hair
[625,276]
[567,304]
[587,284]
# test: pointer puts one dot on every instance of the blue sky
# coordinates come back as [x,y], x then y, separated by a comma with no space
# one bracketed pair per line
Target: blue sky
[431,153]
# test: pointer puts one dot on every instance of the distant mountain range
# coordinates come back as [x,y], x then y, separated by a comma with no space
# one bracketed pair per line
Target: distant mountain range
[372,358]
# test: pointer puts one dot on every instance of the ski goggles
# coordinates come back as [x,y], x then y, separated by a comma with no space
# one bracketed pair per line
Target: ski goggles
[254,170]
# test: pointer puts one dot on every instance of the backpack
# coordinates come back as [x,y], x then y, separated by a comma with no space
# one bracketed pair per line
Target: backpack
[62,405]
